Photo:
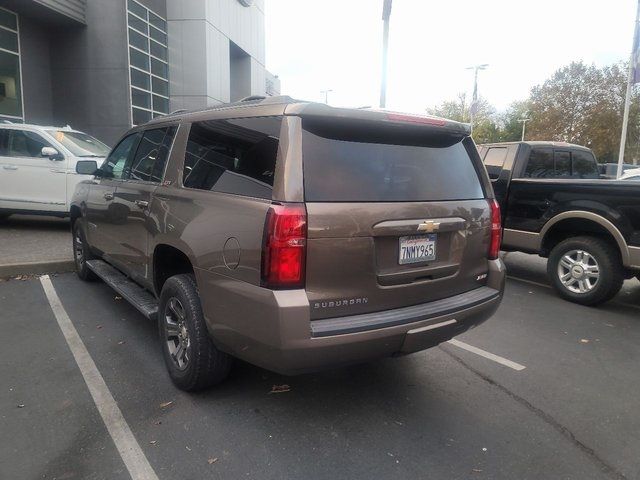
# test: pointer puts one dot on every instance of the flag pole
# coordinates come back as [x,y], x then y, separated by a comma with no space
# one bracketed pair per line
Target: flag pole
[627,101]
[386,13]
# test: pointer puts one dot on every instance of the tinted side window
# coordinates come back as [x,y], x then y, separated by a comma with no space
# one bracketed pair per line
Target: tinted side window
[151,155]
[540,164]
[114,165]
[584,165]
[233,156]
[18,143]
[562,161]
[494,161]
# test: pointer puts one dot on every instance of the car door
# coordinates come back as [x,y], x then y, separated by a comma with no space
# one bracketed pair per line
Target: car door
[133,198]
[103,217]
[29,180]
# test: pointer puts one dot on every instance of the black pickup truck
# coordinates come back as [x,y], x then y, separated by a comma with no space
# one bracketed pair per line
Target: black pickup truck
[554,204]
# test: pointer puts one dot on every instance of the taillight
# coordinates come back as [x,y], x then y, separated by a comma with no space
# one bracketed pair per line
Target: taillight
[496,230]
[284,246]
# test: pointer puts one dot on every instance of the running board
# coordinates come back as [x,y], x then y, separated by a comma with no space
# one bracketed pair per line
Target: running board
[137,296]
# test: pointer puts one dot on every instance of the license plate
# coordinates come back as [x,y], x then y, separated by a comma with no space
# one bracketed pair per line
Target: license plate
[417,248]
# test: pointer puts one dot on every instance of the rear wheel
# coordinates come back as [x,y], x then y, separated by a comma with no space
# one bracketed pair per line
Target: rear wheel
[192,360]
[82,253]
[585,270]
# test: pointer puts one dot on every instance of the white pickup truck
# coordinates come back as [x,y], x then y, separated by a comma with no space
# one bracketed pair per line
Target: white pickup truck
[40,167]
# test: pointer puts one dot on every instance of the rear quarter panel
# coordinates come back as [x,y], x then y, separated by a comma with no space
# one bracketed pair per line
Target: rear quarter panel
[532,203]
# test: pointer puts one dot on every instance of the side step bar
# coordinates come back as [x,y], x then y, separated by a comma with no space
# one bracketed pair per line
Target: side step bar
[137,296]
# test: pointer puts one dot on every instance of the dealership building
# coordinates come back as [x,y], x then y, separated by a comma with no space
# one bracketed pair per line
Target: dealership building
[102,66]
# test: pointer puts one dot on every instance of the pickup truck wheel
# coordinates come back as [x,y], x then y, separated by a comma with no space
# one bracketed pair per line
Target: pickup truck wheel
[585,270]
[82,253]
[192,360]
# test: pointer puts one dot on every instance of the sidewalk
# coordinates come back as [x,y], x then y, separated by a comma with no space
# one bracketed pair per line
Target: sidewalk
[34,244]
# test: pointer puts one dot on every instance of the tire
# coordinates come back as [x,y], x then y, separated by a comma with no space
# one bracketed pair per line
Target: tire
[574,260]
[82,253]
[193,362]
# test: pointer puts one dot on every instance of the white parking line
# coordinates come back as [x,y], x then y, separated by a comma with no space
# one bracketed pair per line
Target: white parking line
[489,355]
[129,449]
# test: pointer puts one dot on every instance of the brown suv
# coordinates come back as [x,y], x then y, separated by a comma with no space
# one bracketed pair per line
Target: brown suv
[293,235]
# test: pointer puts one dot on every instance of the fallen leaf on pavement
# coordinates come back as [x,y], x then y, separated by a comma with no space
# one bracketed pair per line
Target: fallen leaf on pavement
[211,461]
[153,442]
[165,404]
[280,389]
[99,327]
[117,297]
[121,342]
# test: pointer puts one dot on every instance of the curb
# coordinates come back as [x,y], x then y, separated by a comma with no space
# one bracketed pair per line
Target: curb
[32,268]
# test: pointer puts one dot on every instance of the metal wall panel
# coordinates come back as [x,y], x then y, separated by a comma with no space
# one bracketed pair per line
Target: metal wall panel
[75,9]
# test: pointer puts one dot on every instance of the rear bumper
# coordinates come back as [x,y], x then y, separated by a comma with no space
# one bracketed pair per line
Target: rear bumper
[286,341]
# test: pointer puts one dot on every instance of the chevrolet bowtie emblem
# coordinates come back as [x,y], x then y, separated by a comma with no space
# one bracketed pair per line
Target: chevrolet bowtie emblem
[428,226]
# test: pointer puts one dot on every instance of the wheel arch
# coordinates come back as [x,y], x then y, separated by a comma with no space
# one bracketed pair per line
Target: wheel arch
[169,260]
[575,223]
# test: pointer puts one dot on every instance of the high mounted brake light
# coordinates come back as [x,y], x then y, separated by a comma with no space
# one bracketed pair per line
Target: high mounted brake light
[284,247]
[401,117]
[496,230]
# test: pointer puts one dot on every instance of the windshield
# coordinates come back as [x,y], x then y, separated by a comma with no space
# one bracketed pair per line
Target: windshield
[80,144]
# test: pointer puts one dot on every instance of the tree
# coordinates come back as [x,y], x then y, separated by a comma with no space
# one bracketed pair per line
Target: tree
[583,104]
[485,129]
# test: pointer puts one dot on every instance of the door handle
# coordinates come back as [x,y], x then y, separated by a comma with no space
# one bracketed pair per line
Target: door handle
[108,196]
[142,203]
[9,167]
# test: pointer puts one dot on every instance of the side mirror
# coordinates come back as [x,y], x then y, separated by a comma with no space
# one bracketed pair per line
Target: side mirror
[86,167]
[52,153]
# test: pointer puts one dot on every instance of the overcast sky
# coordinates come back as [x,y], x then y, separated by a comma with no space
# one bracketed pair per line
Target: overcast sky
[315,45]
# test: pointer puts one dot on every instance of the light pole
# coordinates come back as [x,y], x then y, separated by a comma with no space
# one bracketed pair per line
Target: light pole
[386,13]
[524,125]
[326,95]
[474,100]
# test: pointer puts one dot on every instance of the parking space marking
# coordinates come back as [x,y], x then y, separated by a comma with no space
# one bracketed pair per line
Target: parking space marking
[496,358]
[126,444]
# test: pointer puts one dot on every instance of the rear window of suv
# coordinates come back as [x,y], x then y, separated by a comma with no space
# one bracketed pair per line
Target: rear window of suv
[386,168]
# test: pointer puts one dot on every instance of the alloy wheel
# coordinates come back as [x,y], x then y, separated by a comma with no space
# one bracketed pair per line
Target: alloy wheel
[578,271]
[177,334]
[78,248]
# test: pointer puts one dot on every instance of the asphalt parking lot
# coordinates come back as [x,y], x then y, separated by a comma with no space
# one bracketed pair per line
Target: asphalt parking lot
[571,413]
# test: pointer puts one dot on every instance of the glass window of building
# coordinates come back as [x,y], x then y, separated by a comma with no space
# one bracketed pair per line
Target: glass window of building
[149,76]
[10,82]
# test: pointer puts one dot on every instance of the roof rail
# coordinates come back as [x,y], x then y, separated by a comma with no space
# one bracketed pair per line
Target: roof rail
[252,98]
[180,110]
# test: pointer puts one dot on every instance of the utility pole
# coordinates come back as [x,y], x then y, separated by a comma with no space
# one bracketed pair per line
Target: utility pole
[474,101]
[326,95]
[633,78]
[386,13]
[524,125]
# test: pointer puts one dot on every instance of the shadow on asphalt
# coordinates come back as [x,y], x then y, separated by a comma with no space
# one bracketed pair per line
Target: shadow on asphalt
[35,222]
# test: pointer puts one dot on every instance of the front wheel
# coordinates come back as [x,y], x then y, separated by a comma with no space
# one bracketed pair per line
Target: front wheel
[82,253]
[585,270]
[192,360]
